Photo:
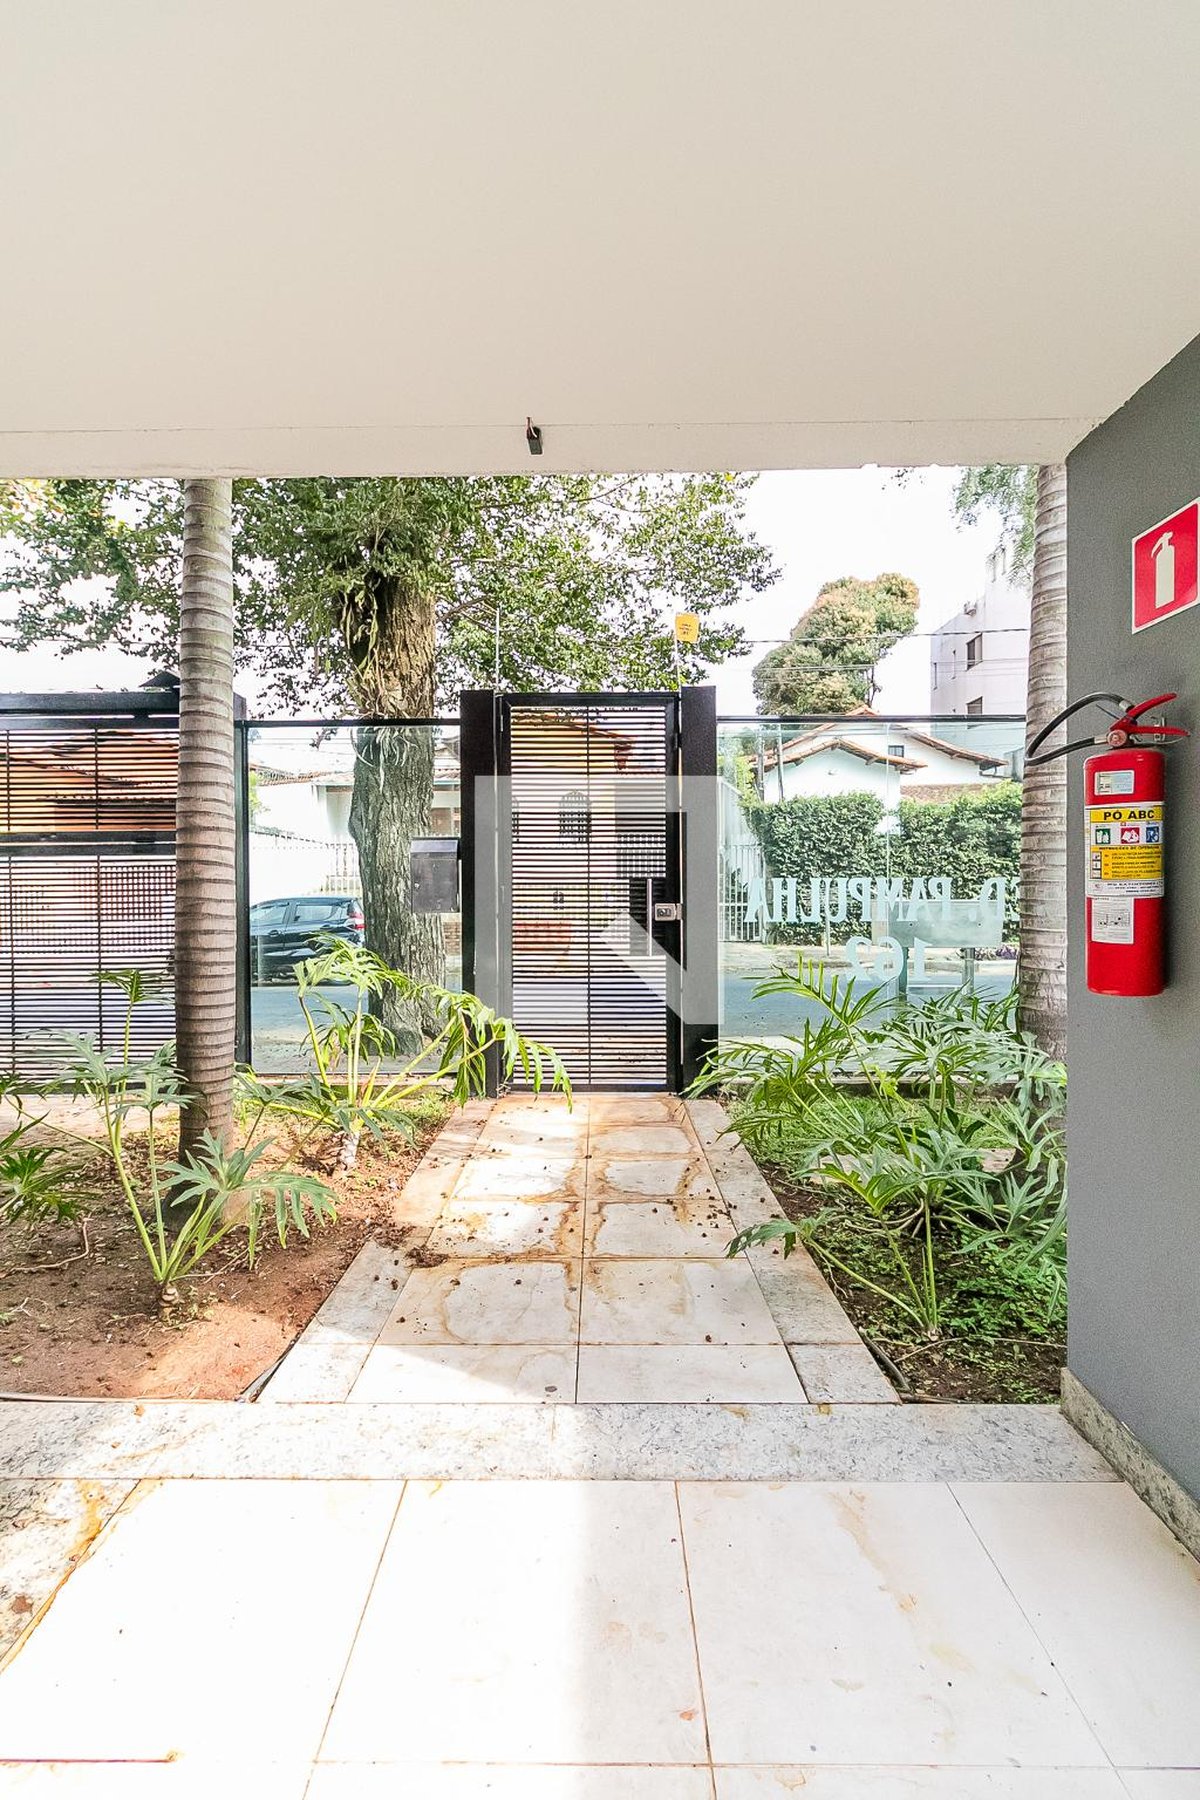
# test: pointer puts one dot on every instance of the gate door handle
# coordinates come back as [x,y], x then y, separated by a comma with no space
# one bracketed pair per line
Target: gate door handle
[667,912]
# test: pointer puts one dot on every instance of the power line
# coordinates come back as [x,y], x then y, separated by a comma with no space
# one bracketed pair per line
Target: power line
[984,631]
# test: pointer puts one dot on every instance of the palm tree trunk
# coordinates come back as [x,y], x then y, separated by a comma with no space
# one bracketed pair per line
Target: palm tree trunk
[1042,974]
[205,846]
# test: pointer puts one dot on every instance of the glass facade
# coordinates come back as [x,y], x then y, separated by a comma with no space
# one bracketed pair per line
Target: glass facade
[335,815]
[888,850]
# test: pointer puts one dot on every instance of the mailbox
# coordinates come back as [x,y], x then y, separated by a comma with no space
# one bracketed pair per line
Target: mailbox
[433,863]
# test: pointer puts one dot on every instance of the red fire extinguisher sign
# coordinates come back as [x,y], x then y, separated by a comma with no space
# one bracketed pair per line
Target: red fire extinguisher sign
[1166,567]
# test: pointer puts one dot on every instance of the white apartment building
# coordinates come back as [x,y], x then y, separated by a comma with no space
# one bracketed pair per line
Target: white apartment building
[978,659]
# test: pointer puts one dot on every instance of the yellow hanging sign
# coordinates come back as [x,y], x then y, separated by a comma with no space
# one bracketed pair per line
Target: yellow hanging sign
[687,628]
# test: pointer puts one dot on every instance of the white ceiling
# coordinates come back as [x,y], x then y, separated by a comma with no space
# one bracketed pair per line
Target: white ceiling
[297,236]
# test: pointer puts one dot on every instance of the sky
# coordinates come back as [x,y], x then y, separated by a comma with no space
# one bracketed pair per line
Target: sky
[830,522]
[819,523]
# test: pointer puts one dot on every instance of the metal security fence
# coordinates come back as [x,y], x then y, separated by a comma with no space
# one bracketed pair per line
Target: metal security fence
[87,869]
[632,868]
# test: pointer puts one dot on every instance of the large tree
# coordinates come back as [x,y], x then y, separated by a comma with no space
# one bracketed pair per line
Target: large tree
[828,663]
[1031,505]
[384,596]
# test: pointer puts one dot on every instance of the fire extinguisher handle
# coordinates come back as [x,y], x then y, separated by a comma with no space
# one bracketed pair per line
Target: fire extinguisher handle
[1033,760]
[1129,718]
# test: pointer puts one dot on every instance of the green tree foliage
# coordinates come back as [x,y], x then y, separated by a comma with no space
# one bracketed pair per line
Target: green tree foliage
[971,838]
[1010,491]
[373,592]
[827,665]
[816,835]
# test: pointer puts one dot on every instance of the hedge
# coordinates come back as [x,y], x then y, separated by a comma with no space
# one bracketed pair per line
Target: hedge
[971,838]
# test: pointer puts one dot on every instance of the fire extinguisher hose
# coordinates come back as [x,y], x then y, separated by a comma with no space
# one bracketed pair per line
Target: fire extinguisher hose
[1122,729]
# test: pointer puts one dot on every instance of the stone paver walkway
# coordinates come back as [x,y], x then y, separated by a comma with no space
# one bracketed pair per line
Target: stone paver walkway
[486,1534]
[578,1254]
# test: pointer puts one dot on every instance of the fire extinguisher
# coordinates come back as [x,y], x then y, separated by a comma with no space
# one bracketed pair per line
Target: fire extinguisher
[1124,841]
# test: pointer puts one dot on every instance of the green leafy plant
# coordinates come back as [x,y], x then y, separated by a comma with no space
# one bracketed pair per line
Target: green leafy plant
[181,1209]
[361,1080]
[32,1183]
[940,1126]
[33,1175]
[222,1191]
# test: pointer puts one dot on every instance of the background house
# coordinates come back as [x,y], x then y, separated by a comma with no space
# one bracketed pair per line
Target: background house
[859,755]
[302,786]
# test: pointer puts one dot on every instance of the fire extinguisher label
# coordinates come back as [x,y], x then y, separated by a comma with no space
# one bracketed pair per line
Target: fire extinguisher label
[1112,921]
[1125,854]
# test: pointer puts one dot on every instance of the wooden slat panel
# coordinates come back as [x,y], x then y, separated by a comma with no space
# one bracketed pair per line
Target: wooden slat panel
[87,882]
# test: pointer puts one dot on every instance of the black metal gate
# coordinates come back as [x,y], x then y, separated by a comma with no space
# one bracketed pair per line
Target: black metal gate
[594,882]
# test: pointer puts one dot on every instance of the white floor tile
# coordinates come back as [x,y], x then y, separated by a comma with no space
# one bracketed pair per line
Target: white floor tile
[722,1373]
[520,1175]
[180,1780]
[316,1372]
[536,1129]
[673,1302]
[434,1373]
[1162,1784]
[1116,1601]
[648,1178]
[215,1619]
[810,1783]
[512,1228]
[575,1105]
[660,1138]
[487,1303]
[635,1108]
[658,1228]
[865,1625]
[526,1622]
[360,1302]
[496,1781]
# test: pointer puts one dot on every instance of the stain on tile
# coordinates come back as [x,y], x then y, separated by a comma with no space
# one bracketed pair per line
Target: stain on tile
[512,1229]
[487,1303]
[669,1301]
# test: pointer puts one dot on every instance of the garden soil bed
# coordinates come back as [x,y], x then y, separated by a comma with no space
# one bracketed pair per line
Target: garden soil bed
[87,1324]
[979,1369]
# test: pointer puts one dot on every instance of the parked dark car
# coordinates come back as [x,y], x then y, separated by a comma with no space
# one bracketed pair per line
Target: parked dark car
[284,932]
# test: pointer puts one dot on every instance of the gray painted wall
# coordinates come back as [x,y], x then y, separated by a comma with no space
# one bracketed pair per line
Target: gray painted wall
[1134,1112]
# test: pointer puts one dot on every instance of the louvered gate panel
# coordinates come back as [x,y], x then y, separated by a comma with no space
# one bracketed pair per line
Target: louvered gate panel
[87,882]
[590,857]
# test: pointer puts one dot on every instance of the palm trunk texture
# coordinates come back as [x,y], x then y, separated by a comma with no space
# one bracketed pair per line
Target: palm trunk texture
[1042,974]
[205,890]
